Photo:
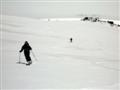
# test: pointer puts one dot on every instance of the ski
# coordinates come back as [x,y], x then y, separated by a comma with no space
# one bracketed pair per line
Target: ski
[23,63]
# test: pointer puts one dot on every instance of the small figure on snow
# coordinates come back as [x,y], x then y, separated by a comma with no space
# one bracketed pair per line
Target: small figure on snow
[26,47]
[71,40]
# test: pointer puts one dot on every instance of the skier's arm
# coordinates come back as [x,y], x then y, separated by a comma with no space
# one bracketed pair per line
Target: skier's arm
[21,49]
[30,48]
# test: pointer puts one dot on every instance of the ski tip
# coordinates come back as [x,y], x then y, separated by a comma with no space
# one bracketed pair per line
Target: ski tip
[21,63]
[28,64]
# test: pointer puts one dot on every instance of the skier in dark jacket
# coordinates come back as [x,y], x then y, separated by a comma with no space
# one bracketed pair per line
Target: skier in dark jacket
[26,47]
[71,40]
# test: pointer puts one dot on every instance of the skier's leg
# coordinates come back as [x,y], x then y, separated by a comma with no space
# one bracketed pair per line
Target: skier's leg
[28,58]
[29,61]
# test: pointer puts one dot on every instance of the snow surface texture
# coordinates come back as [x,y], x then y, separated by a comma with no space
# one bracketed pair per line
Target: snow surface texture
[91,62]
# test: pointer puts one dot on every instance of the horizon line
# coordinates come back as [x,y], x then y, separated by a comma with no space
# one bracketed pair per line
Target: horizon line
[59,1]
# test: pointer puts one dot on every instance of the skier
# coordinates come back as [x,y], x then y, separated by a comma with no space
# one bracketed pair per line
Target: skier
[71,40]
[26,47]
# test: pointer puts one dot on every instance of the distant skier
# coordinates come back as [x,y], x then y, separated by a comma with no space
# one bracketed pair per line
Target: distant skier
[26,47]
[71,40]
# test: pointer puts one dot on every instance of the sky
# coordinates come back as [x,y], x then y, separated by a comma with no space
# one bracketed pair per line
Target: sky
[60,8]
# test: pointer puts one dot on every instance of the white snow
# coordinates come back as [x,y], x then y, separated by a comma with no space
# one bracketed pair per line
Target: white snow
[89,63]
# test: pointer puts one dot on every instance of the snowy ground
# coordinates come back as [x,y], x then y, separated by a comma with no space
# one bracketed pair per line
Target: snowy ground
[89,63]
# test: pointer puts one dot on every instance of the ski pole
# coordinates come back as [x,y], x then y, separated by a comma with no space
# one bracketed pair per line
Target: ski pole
[34,55]
[19,57]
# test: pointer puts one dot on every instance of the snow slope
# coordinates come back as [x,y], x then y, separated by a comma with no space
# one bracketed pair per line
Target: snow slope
[89,63]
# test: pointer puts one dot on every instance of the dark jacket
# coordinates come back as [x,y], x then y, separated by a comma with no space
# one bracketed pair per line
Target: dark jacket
[26,47]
